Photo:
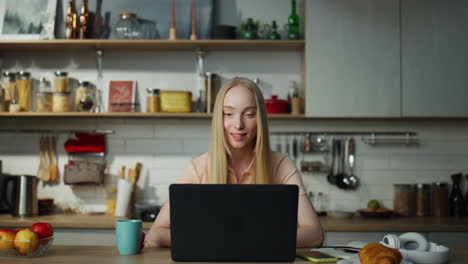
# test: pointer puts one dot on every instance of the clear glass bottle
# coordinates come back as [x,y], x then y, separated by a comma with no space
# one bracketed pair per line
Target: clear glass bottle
[84,100]
[43,97]
[127,27]
[456,202]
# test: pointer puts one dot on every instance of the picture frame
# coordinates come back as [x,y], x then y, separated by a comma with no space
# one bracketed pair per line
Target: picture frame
[27,19]
[122,95]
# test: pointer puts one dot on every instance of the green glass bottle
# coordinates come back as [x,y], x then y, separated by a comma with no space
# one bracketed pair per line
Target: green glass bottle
[293,22]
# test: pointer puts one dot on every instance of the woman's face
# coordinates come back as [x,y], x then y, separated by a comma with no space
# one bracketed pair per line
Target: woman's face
[240,118]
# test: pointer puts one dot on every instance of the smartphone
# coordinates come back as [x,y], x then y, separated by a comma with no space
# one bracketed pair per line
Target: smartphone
[317,257]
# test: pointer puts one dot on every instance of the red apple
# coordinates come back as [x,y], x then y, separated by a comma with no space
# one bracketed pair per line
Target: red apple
[43,230]
[6,239]
[26,241]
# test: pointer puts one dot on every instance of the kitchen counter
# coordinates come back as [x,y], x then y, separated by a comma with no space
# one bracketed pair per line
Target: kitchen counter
[109,254]
[356,224]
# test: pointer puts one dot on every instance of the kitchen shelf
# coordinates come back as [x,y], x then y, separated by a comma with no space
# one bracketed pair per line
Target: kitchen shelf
[131,115]
[156,45]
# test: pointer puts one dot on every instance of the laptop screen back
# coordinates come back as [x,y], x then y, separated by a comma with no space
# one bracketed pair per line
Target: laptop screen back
[233,222]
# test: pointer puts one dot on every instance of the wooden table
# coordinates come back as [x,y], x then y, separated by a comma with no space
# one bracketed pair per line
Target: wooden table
[105,254]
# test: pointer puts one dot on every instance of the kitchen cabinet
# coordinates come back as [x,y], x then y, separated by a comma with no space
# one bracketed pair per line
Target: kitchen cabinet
[434,57]
[352,56]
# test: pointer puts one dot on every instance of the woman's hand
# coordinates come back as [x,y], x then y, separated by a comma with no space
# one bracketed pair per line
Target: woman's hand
[160,232]
[309,230]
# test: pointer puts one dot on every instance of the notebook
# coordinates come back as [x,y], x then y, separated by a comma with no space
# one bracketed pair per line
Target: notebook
[233,222]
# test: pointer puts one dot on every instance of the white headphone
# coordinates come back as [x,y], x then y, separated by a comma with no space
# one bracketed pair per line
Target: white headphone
[414,247]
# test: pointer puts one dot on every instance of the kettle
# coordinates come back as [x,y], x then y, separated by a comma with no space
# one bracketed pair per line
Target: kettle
[18,195]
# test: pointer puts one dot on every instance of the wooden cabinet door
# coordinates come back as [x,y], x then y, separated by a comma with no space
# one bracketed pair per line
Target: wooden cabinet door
[434,58]
[352,58]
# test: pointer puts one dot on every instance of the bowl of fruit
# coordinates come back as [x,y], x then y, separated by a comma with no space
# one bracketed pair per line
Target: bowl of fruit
[26,242]
[375,210]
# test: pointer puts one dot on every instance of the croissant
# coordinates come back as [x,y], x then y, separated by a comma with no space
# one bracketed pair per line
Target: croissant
[376,253]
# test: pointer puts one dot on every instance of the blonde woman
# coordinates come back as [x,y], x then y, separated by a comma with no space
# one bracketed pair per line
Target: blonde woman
[240,154]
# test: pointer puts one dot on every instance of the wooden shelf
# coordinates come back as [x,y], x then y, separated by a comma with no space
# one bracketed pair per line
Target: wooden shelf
[156,45]
[129,115]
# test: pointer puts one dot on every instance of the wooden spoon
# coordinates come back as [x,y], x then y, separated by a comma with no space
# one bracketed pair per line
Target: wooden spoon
[53,159]
[40,170]
[46,167]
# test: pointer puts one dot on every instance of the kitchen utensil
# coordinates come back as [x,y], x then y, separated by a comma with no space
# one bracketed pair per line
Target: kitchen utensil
[46,159]
[41,172]
[341,163]
[193,36]
[350,180]
[331,175]
[172,29]
[99,82]
[53,159]
[295,150]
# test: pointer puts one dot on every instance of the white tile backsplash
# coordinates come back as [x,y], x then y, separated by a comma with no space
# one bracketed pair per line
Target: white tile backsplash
[165,146]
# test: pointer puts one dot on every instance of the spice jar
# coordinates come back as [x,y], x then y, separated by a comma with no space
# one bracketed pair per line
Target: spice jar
[61,102]
[84,101]
[152,100]
[43,97]
[23,84]
[403,200]
[423,199]
[61,82]
[440,199]
[111,201]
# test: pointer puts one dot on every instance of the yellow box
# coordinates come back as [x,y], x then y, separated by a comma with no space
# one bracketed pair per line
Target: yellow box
[176,101]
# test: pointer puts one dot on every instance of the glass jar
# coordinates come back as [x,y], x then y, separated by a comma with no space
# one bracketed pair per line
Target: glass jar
[61,82]
[111,201]
[43,97]
[127,27]
[423,199]
[8,84]
[404,199]
[23,84]
[61,102]
[440,199]
[84,100]
[152,100]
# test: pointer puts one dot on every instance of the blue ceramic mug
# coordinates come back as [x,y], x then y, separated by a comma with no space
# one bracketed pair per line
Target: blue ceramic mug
[128,235]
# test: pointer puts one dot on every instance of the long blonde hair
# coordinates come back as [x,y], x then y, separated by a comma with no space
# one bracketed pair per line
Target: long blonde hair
[219,149]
